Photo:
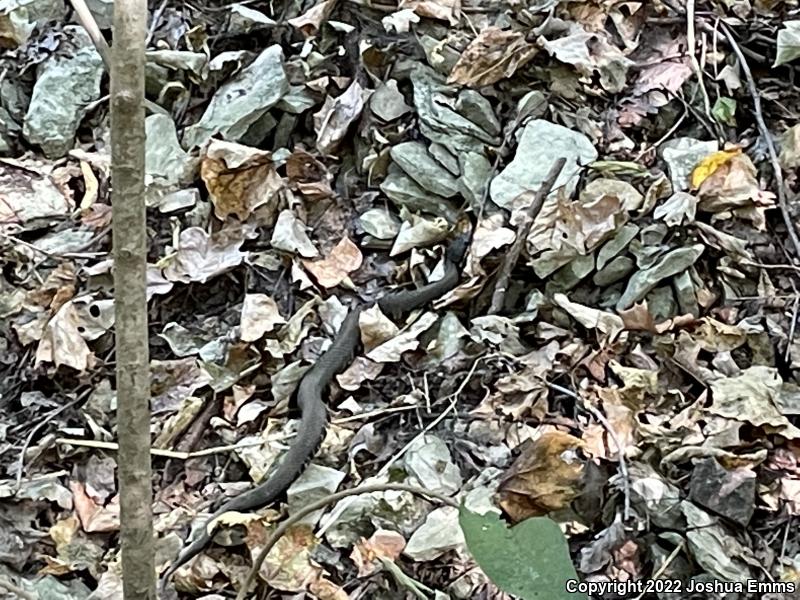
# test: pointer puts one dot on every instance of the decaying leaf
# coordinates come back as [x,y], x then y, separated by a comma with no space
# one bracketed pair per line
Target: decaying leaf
[544,478]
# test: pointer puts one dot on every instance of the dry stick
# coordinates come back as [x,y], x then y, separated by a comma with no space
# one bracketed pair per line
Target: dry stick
[186,455]
[155,22]
[322,503]
[134,465]
[37,427]
[512,257]
[762,128]
[176,454]
[623,465]
[90,25]
[664,565]
[10,587]
[692,43]
[331,518]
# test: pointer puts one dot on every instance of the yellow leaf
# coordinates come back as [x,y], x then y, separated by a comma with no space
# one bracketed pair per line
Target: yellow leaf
[710,164]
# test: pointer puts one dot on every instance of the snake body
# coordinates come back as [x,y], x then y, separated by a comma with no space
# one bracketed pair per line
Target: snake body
[314,414]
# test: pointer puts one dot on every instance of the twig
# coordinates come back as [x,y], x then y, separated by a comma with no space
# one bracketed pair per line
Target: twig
[90,25]
[786,537]
[762,128]
[623,465]
[23,594]
[36,428]
[331,518]
[176,454]
[692,50]
[154,23]
[281,529]
[524,229]
[664,565]
[664,137]
[792,328]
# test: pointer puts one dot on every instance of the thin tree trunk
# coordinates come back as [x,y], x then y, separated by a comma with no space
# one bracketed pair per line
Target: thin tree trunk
[130,246]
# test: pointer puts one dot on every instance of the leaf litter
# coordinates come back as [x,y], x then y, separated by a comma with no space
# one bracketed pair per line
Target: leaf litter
[638,385]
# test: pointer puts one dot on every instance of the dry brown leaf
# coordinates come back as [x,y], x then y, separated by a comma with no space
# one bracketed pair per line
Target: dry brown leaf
[309,176]
[62,342]
[96,216]
[382,543]
[334,119]
[734,186]
[324,589]
[360,370]
[376,328]
[638,318]
[544,478]
[443,10]
[94,518]
[310,21]
[260,314]
[343,260]
[200,256]
[493,55]
[240,179]
[288,565]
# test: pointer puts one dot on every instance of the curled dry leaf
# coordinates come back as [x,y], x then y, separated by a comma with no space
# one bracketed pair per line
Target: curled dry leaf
[360,370]
[443,10]
[94,517]
[544,478]
[382,543]
[337,114]
[343,260]
[407,340]
[490,234]
[733,185]
[376,328]
[310,21]
[260,314]
[63,343]
[200,256]
[591,318]
[309,176]
[290,235]
[493,55]
[288,565]
[240,179]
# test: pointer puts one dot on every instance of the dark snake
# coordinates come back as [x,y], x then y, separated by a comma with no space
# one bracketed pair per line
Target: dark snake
[314,414]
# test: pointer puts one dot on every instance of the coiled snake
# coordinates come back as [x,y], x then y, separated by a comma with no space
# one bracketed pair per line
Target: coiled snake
[314,414]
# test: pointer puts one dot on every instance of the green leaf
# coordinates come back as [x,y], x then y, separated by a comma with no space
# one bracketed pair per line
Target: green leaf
[724,110]
[530,560]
